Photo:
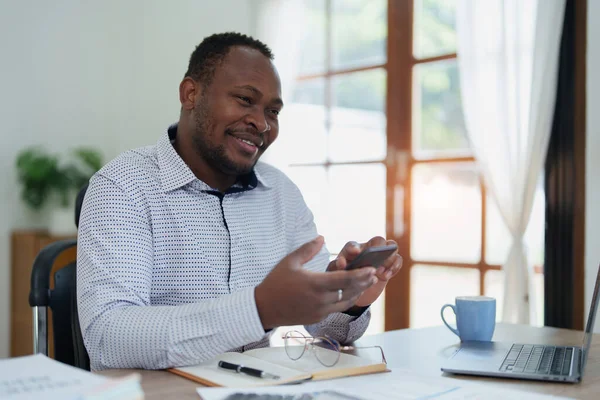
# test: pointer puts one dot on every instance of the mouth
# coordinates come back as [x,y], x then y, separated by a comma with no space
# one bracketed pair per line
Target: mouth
[247,144]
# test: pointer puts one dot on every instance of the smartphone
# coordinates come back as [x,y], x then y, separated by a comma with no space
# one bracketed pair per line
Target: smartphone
[372,256]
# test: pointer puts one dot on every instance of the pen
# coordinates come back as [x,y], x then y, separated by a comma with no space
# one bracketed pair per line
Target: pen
[240,369]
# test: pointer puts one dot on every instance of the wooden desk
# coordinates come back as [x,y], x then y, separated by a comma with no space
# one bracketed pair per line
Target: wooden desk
[422,351]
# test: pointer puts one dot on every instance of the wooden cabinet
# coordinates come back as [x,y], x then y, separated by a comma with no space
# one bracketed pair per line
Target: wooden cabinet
[25,246]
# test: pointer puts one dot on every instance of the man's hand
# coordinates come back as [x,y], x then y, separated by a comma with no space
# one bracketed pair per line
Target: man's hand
[390,267]
[292,295]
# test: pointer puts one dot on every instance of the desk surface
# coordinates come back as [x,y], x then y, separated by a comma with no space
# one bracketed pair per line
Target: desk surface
[422,351]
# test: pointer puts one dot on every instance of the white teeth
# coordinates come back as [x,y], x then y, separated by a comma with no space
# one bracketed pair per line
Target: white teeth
[247,141]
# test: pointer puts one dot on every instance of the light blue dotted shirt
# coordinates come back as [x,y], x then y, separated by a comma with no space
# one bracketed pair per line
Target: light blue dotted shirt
[167,266]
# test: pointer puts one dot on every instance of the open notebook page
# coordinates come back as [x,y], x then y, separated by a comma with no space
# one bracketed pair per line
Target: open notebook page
[308,362]
[210,371]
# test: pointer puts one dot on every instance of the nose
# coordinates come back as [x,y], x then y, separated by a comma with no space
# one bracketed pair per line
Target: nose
[257,119]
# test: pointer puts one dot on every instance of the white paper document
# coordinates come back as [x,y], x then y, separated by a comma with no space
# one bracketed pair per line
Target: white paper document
[39,377]
[398,384]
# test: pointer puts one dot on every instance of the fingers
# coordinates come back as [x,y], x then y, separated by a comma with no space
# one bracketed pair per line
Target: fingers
[307,251]
[390,260]
[386,273]
[339,306]
[389,263]
[347,296]
[344,279]
[377,241]
[351,250]
[352,283]
[348,252]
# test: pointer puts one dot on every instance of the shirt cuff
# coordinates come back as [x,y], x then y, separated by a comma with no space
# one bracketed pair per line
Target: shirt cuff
[236,323]
[246,327]
[356,311]
[355,325]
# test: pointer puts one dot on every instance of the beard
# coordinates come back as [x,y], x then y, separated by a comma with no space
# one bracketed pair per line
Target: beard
[215,155]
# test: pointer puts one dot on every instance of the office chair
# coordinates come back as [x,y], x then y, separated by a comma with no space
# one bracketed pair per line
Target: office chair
[62,300]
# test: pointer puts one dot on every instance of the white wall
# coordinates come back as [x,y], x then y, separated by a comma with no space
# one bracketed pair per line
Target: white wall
[100,73]
[592,167]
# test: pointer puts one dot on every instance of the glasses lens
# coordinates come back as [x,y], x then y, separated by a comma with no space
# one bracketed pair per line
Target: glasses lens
[295,343]
[327,352]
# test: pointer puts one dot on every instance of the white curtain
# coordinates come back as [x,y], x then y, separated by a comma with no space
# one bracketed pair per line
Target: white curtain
[508,65]
[281,26]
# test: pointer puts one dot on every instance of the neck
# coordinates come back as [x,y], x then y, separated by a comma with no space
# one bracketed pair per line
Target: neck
[203,170]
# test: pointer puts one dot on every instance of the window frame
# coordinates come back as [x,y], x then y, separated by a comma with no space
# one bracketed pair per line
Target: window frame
[400,161]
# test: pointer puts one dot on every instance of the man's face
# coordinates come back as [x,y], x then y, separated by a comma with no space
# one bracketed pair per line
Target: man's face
[236,116]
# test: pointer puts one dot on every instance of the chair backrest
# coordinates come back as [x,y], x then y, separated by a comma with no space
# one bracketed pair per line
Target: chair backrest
[79,203]
[62,300]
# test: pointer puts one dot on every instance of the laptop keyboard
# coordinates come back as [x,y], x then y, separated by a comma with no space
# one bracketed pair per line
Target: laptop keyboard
[531,359]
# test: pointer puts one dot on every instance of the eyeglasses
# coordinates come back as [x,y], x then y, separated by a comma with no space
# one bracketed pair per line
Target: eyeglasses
[326,350]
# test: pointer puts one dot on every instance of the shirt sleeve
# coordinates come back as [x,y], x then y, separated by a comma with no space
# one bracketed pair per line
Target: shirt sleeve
[340,326]
[120,327]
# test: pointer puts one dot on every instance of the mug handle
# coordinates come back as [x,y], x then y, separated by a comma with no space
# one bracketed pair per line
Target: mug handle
[455,331]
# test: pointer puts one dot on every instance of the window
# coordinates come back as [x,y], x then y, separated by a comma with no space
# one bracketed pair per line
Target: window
[337,125]
[378,147]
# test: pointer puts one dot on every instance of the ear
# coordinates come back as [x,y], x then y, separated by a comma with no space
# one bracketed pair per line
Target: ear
[189,90]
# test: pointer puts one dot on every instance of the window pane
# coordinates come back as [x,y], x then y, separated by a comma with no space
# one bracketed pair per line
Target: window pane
[446,213]
[435,28]
[499,240]
[313,53]
[311,91]
[358,120]
[302,136]
[359,33]
[438,124]
[312,182]
[356,199]
[538,292]
[494,287]
[431,287]
[377,323]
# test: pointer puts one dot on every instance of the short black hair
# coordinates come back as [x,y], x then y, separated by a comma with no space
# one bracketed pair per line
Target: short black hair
[213,49]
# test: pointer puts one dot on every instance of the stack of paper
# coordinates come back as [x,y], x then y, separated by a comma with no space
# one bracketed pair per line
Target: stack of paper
[40,377]
[398,385]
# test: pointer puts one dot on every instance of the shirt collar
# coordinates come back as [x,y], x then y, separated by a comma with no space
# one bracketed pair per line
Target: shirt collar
[175,173]
[260,179]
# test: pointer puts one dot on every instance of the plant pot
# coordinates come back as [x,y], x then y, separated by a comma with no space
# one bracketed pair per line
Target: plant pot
[62,221]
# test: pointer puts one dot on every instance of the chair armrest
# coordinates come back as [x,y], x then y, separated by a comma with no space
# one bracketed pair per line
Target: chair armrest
[39,294]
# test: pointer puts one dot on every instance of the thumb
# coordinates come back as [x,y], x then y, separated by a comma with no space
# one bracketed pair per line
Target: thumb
[307,251]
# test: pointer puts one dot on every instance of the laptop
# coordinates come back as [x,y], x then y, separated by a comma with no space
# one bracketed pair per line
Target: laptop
[526,361]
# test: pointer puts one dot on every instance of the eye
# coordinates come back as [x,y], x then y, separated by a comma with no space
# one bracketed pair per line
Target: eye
[245,99]
[275,112]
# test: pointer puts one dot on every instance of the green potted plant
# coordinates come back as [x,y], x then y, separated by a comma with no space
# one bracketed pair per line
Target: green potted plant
[49,185]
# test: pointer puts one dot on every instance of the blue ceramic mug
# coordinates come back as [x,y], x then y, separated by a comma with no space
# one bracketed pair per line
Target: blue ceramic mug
[475,318]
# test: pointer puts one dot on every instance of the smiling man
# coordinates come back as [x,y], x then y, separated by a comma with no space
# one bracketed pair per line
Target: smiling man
[191,248]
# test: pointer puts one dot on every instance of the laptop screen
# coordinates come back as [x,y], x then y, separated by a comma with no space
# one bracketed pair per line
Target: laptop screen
[587,339]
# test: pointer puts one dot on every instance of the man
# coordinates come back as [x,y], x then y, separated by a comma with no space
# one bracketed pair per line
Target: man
[191,248]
